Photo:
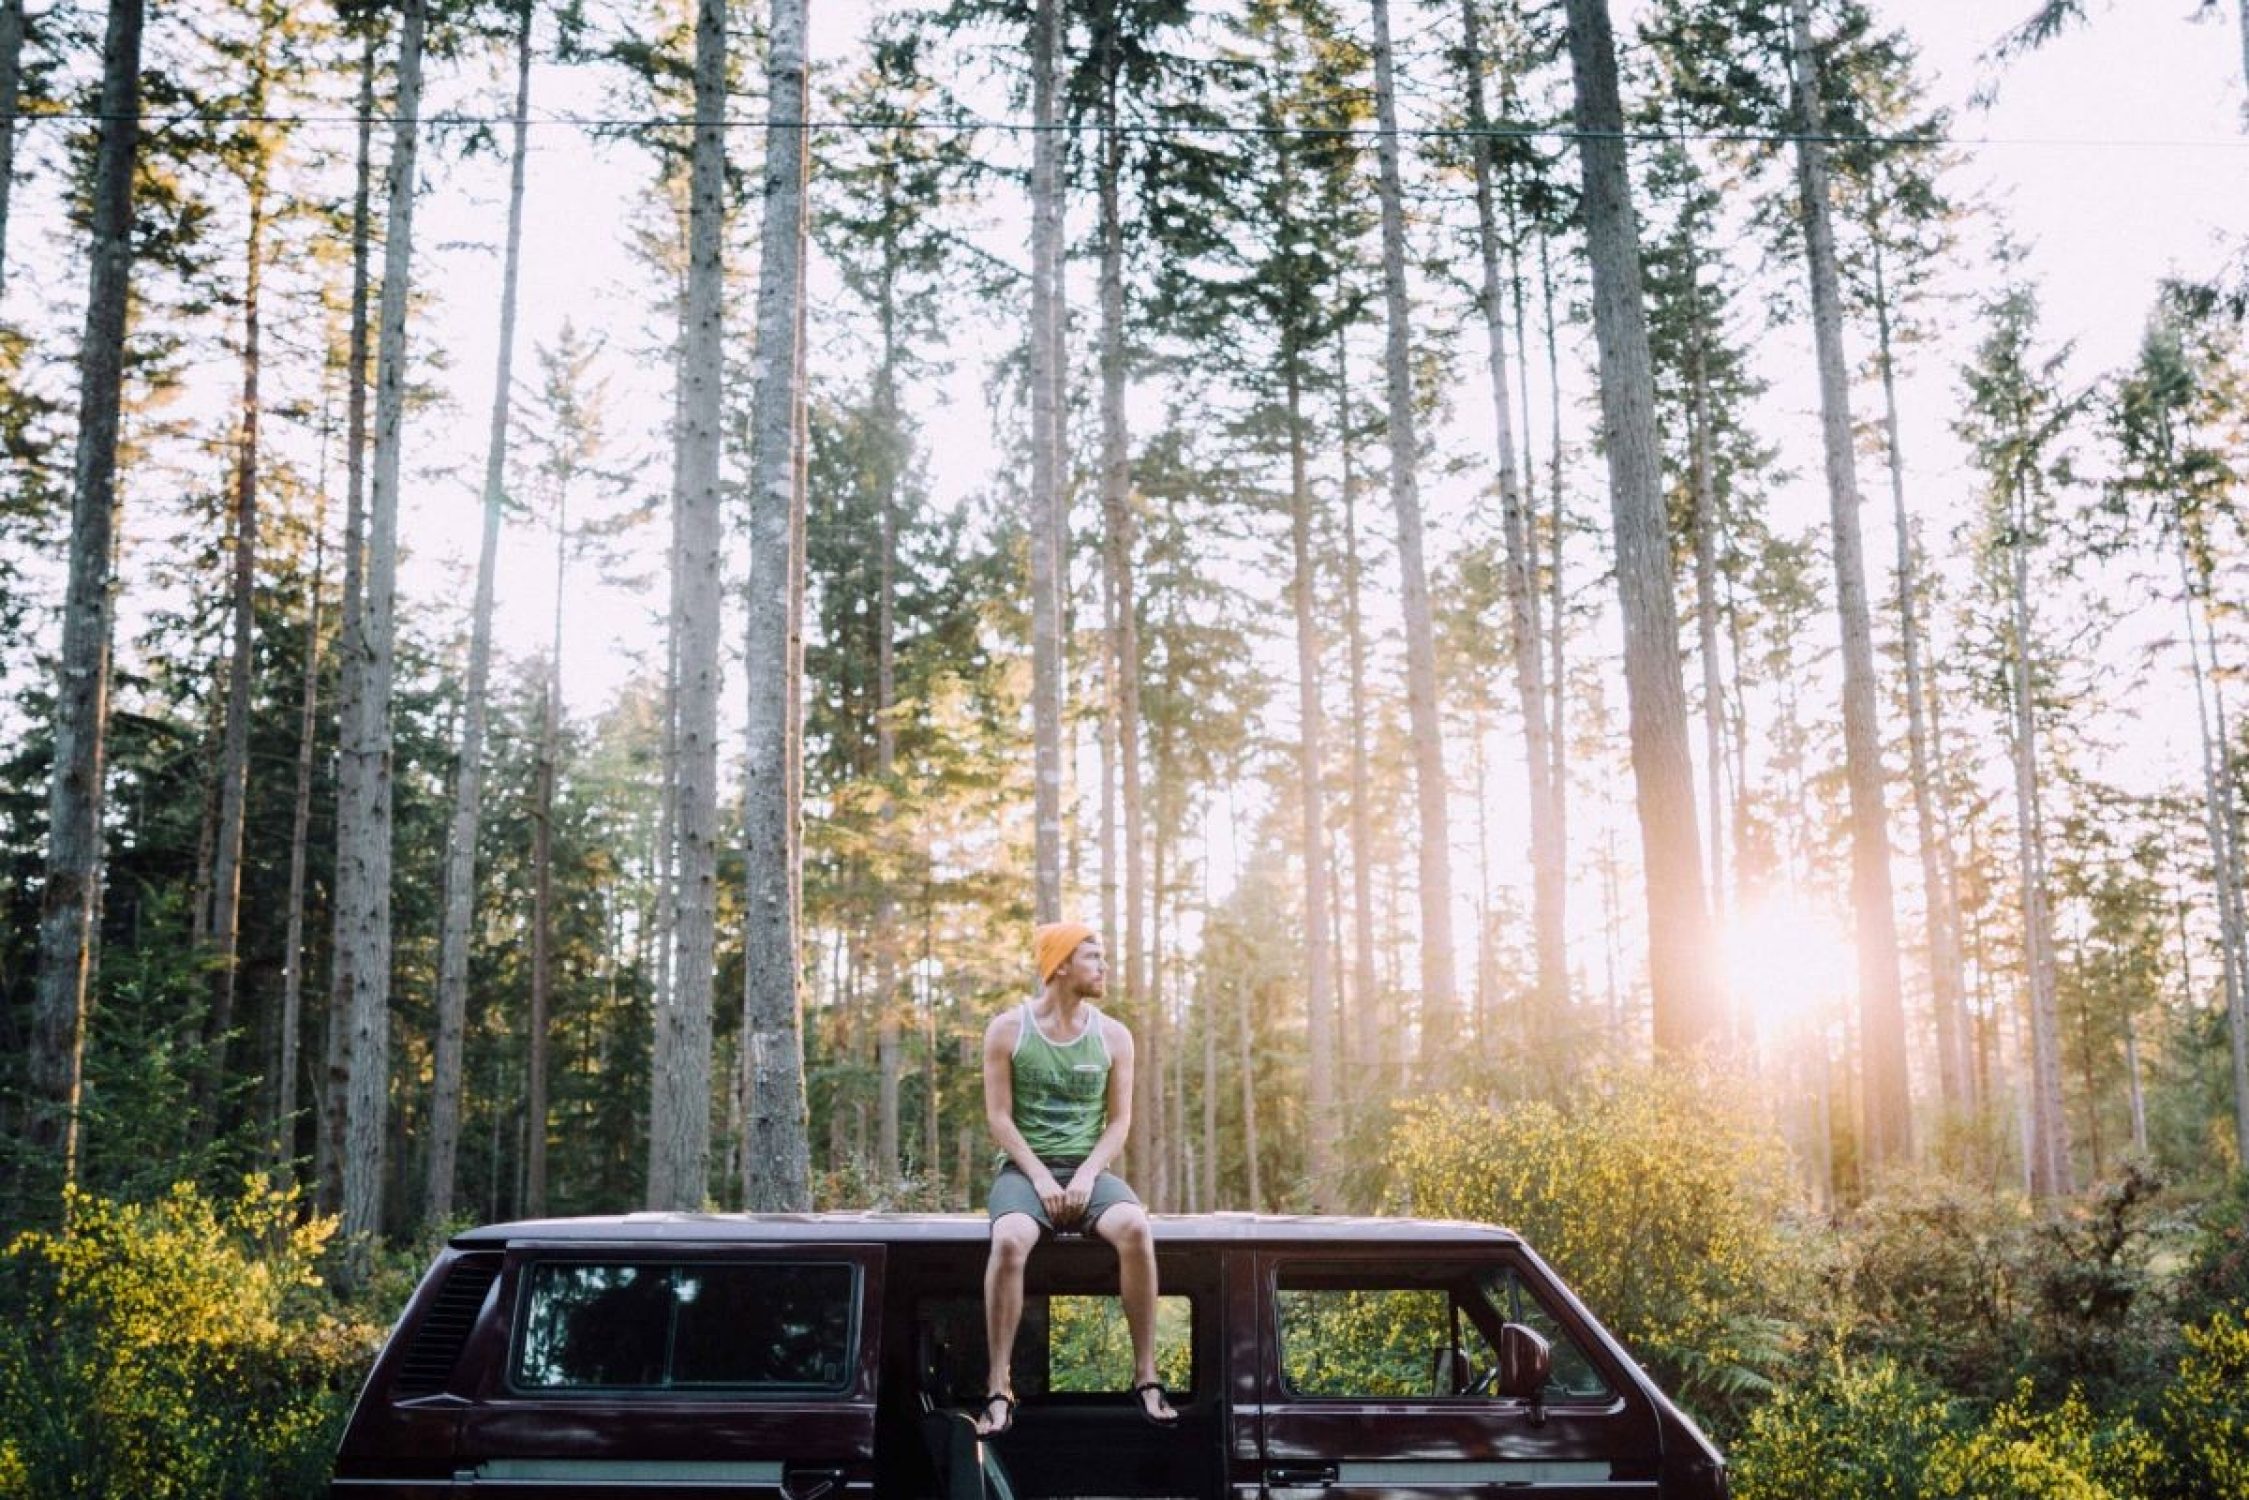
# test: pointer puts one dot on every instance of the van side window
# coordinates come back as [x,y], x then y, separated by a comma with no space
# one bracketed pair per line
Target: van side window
[1066,1345]
[1421,1332]
[639,1326]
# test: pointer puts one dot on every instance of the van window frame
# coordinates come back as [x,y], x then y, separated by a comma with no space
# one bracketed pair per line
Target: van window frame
[528,1263]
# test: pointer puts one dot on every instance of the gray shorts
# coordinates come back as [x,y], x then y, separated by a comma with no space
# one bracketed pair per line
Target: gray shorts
[1012,1193]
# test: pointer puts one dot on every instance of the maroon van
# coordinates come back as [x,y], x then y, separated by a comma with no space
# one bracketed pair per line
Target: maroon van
[799,1357]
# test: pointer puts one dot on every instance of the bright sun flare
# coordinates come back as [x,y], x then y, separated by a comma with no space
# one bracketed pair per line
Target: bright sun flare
[1787,961]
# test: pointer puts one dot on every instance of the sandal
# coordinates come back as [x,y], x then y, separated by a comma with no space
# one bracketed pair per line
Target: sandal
[985,1427]
[1148,1413]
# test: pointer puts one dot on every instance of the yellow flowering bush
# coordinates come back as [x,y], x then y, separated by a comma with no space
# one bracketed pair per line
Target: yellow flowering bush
[1662,1198]
[178,1348]
[2206,1410]
[2060,1453]
[1855,1433]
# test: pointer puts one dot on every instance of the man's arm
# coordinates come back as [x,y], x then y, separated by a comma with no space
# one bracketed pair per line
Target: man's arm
[999,1110]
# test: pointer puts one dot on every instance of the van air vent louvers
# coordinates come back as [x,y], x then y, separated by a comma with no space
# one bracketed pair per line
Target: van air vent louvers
[445,1328]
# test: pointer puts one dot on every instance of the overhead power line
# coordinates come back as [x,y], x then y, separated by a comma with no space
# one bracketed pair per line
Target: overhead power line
[1649,135]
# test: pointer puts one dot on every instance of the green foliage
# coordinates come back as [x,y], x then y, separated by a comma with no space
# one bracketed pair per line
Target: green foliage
[1361,1342]
[1856,1432]
[1661,1198]
[2060,1453]
[2206,1410]
[183,1347]
[1089,1348]
[1931,1273]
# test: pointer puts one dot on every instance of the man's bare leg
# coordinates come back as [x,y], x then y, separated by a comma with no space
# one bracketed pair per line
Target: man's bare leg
[1126,1227]
[1013,1235]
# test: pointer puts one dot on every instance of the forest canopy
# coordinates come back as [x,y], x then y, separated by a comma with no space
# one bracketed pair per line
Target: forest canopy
[1575,595]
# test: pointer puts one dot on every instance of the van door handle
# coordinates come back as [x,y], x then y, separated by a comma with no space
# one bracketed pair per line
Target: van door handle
[810,1484]
[1300,1477]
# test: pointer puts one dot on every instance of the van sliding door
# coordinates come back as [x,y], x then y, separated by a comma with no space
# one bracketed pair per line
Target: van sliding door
[727,1372]
[1376,1381]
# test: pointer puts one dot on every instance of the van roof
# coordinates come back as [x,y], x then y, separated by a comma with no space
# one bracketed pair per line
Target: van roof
[910,1228]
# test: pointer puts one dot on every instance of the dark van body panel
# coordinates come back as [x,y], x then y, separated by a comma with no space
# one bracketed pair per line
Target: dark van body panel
[468,1396]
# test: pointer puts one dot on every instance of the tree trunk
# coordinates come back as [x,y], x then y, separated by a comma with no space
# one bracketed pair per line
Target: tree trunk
[679,1113]
[1526,646]
[468,770]
[1945,986]
[71,900]
[300,822]
[1557,612]
[1244,1015]
[1706,622]
[1439,1002]
[889,1042]
[1679,949]
[2050,1169]
[777,1164]
[1369,1082]
[1122,814]
[544,775]
[1888,1127]
[363,839]
[12,32]
[1045,521]
[1319,1004]
[2225,851]
[328,1151]
[234,751]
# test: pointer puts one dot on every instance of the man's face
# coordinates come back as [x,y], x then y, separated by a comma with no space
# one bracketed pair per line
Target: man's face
[1088,969]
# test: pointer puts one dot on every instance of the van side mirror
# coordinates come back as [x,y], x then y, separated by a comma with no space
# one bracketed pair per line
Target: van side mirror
[1526,1360]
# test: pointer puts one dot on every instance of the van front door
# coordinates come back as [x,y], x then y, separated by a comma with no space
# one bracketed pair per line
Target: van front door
[693,1372]
[1377,1380]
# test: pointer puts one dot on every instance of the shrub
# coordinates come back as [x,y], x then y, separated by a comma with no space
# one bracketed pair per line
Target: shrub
[1931,1270]
[2061,1453]
[1660,1196]
[2206,1410]
[176,1348]
[1853,1433]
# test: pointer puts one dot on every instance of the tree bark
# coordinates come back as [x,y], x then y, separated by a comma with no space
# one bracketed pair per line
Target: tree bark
[1118,540]
[1045,521]
[543,777]
[468,769]
[1706,617]
[234,747]
[680,1105]
[2051,1174]
[1526,645]
[2225,850]
[777,1166]
[12,33]
[889,1043]
[1954,1078]
[300,823]
[328,1151]
[363,859]
[1679,948]
[1319,1001]
[1887,1105]
[1439,1000]
[1370,1081]
[70,902]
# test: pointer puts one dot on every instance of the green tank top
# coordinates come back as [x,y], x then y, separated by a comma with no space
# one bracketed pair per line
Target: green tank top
[1061,1090]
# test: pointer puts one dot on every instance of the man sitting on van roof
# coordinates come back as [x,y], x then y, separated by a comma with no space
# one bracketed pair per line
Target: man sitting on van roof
[1058,1096]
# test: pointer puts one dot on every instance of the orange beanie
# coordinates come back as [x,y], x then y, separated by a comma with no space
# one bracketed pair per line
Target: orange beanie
[1053,943]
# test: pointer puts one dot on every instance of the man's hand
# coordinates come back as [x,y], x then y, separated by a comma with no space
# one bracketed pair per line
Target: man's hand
[1077,1196]
[1055,1199]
